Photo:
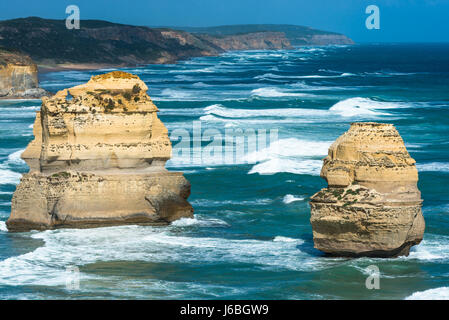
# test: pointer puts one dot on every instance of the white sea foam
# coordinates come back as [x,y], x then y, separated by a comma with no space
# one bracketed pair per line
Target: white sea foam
[268,76]
[200,222]
[290,147]
[441,293]
[222,111]
[202,70]
[301,85]
[318,76]
[14,158]
[9,177]
[289,198]
[286,239]
[389,73]
[3,226]
[272,92]
[232,122]
[175,94]
[363,106]
[432,248]
[137,243]
[311,49]
[311,167]
[289,155]
[433,166]
[220,203]
[181,111]
[200,85]
[352,107]
[20,109]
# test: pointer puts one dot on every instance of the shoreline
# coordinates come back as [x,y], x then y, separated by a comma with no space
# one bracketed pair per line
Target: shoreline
[47,68]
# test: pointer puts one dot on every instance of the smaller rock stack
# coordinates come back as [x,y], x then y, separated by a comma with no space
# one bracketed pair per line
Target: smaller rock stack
[18,76]
[372,206]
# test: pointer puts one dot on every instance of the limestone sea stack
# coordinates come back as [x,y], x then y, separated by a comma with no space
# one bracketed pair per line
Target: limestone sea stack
[372,206]
[18,76]
[98,159]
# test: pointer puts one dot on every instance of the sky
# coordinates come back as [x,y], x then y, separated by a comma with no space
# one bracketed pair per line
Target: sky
[400,20]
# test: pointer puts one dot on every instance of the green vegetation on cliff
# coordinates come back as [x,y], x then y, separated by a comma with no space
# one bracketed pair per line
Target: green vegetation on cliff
[51,44]
[297,35]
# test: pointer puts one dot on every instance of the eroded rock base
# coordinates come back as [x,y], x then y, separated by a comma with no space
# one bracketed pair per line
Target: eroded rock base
[84,200]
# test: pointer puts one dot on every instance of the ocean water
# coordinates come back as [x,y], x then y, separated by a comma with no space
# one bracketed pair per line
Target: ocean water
[251,237]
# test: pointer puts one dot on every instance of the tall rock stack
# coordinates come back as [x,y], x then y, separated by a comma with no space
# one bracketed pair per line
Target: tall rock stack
[98,159]
[372,206]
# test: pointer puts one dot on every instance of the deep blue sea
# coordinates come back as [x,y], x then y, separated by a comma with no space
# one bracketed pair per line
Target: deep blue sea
[251,237]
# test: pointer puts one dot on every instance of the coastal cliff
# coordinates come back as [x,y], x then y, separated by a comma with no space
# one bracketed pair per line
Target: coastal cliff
[18,76]
[295,35]
[98,44]
[372,206]
[98,159]
[250,41]
[101,44]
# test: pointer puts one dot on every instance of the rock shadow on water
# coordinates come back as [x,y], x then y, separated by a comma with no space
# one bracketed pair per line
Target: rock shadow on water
[307,246]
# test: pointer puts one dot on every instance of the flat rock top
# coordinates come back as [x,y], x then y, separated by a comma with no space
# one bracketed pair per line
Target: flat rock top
[14,57]
[112,92]
[116,80]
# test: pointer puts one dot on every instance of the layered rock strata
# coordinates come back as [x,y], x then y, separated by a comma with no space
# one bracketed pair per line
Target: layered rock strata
[372,206]
[18,76]
[250,41]
[98,159]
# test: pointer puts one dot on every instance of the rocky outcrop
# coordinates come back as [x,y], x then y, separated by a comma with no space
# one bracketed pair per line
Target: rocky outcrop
[372,206]
[98,159]
[250,41]
[18,76]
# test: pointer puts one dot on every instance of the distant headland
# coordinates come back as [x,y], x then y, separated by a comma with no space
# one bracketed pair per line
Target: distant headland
[101,44]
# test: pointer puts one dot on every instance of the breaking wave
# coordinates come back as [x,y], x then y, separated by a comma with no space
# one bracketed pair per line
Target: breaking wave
[9,177]
[271,92]
[290,147]
[148,244]
[433,166]
[310,167]
[363,106]
[431,294]
[220,110]
[289,198]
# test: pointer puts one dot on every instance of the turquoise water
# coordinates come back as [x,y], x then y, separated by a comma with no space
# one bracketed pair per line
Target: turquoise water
[251,237]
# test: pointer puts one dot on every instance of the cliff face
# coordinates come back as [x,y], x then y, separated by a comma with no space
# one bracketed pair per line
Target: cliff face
[372,206]
[250,41]
[296,35]
[98,159]
[322,40]
[18,76]
[100,44]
